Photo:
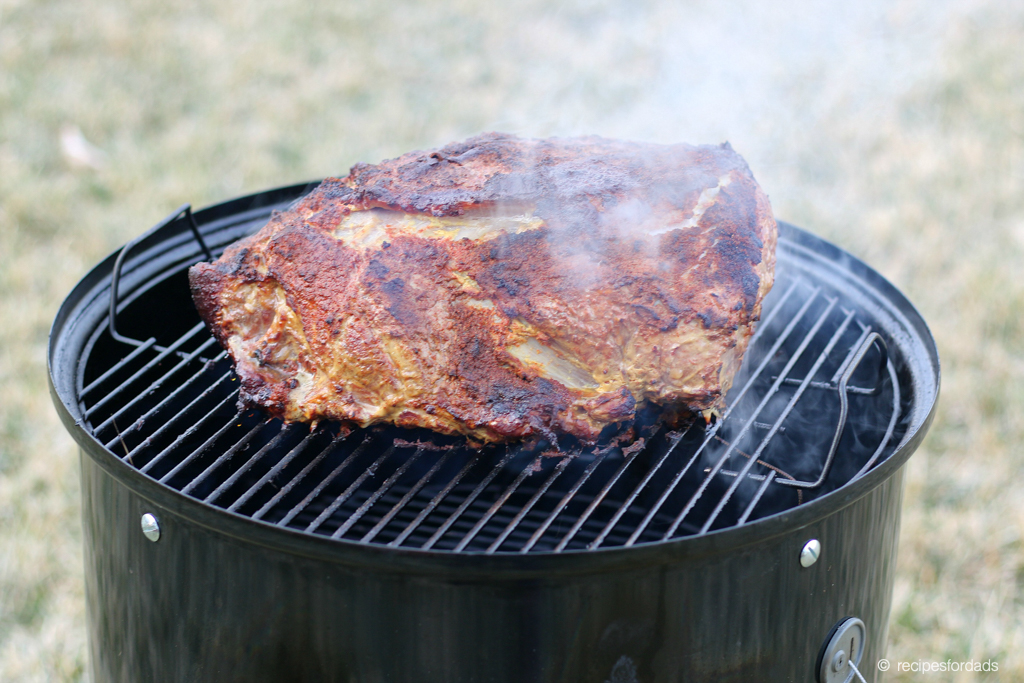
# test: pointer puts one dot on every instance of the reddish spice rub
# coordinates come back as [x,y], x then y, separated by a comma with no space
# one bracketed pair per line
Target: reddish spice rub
[500,288]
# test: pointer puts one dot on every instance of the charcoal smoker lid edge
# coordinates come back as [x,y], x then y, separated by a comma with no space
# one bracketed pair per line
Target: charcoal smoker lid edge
[468,565]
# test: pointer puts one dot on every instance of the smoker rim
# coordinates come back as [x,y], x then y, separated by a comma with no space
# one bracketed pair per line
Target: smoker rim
[468,565]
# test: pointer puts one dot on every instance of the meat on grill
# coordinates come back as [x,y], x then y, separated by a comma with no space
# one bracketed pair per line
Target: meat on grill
[500,288]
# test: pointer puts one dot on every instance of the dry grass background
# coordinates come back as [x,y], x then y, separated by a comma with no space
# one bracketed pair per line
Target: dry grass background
[895,129]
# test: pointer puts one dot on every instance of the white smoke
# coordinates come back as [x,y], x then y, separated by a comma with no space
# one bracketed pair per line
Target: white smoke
[754,74]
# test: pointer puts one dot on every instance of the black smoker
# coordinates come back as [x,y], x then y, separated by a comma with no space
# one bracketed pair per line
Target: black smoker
[224,546]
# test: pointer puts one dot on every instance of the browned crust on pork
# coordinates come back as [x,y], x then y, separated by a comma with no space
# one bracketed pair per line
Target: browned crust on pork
[670,311]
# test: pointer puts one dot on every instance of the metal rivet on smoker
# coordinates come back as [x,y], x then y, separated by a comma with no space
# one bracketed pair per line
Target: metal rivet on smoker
[809,554]
[151,527]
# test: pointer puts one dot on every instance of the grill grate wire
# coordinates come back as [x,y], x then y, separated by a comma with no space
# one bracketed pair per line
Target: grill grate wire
[171,411]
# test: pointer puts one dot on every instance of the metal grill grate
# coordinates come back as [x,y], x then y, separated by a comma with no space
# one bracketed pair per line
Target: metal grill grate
[816,405]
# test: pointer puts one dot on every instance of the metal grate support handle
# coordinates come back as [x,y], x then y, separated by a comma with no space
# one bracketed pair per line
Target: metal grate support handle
[115,277]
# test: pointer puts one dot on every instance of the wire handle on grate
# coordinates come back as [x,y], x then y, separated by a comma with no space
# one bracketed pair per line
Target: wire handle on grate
[857,672]
[115,278]
[844,406]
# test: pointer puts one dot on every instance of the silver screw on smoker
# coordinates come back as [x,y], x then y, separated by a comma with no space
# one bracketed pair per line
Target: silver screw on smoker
[810,553]
[843,651]
[150,527]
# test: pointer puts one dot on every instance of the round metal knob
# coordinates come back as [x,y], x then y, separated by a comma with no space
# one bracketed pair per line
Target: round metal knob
[150,527]
[810,553]
[846,644]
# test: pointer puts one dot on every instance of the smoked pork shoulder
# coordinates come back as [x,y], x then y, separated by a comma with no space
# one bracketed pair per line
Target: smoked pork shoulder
[501,288]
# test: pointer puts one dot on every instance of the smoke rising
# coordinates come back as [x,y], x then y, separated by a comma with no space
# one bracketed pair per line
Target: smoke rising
[759,75]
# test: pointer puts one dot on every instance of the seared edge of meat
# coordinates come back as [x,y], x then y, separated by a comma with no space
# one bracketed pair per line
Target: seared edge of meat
[500,288]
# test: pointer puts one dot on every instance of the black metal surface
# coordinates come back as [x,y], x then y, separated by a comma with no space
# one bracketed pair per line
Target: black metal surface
[201,605]
[290,555]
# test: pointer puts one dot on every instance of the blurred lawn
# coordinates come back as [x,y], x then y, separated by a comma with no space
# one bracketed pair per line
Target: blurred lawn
[893,129]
